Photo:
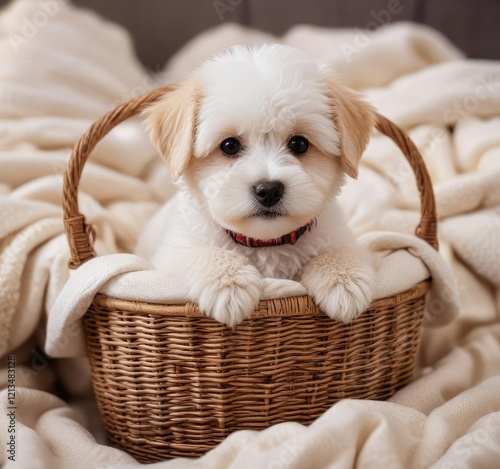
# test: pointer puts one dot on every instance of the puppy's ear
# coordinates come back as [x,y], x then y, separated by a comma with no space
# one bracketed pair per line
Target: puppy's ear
[171,123]
[354,119]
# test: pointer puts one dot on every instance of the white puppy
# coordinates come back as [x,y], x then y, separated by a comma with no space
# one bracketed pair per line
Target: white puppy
[259,140]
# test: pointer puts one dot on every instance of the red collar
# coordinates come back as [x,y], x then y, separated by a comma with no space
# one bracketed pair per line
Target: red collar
[290,238]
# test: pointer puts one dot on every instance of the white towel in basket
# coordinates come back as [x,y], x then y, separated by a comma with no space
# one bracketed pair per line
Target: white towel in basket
[403,261]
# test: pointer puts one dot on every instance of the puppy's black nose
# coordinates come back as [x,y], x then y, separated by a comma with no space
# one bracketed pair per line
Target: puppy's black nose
[269,193]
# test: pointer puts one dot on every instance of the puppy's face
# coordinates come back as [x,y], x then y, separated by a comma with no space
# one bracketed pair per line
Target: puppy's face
[262,136]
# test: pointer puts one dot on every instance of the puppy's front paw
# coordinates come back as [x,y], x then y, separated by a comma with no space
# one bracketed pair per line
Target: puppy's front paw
[343,301]
[231,292]
[341,287]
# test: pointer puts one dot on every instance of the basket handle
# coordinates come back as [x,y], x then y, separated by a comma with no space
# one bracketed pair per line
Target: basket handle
[81,235]
[427,228]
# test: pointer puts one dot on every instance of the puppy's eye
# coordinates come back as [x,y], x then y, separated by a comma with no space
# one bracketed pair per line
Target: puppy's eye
[231,146]
[298,144]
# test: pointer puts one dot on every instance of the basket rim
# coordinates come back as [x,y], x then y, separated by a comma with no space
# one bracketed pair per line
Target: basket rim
[287,306]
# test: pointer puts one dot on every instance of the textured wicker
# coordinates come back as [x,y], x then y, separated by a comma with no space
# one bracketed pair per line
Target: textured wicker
[172,382]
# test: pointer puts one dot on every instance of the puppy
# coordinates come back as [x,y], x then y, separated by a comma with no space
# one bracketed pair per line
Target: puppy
[259,141]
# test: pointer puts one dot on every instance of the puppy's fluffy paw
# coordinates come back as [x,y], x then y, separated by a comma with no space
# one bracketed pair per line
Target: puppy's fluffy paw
[339,284]
[342,301]
[231,291]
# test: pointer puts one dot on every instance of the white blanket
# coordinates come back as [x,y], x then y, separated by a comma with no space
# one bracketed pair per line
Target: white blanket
[52,89]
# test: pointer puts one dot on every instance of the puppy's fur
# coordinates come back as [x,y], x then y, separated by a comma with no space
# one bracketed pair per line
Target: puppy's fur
[262,96]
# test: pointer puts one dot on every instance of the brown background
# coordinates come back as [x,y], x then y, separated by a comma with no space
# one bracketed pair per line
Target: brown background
[160,27]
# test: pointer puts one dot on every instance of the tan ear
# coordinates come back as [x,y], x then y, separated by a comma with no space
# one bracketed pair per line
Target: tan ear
[171,123]
[354,119]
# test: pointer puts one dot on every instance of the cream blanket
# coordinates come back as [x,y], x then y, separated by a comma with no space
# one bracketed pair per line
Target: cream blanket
[52,89]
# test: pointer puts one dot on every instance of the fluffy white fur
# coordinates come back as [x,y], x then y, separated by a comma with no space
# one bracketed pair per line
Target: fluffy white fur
[261,96]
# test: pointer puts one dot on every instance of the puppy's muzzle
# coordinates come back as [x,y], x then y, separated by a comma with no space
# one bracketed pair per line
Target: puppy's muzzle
[269,193]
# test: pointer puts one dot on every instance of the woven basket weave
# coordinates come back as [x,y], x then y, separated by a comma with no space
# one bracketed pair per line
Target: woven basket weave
[171,382]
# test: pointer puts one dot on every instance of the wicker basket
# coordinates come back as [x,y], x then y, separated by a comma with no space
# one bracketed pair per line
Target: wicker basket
[171,382]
